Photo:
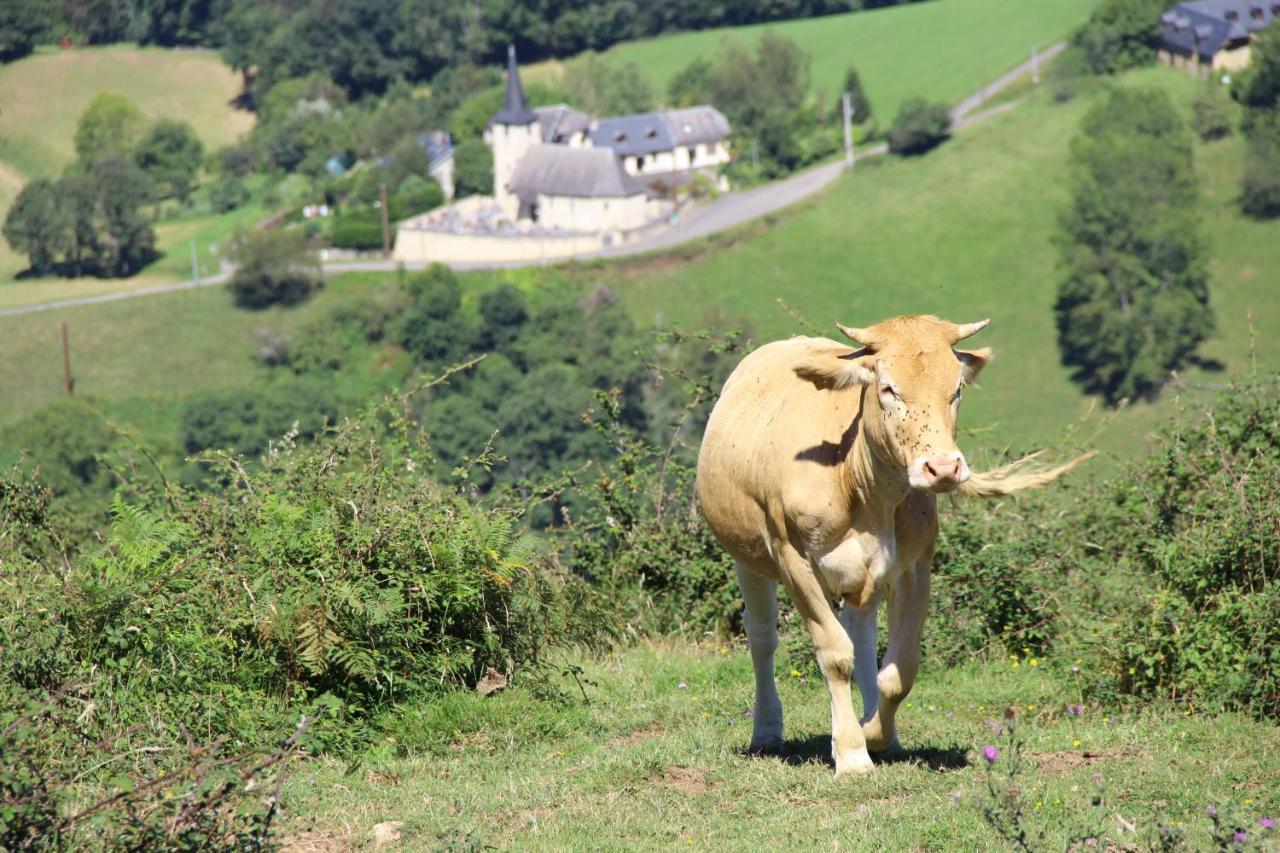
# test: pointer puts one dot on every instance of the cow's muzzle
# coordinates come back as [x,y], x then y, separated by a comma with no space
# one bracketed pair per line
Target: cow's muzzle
[939,472]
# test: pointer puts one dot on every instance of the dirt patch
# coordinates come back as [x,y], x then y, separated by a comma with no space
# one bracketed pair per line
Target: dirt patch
[685,780]
[639,736]
[315,841]
[1057,763]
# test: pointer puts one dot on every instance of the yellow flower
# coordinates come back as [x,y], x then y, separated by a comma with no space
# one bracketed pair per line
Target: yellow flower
[1034,662]
[795,673]
[1014,665]
[1031,707]
[1076,742]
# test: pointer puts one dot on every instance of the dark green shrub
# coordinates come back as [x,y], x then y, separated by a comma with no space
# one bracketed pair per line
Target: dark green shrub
[227,193]
[1212,116]
[359,229]
[1260,187]
[273,267]
[919,127]
[247,420]
[1119,35]
[1206,536]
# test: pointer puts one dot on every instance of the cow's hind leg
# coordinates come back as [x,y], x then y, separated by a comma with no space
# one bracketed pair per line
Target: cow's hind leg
[835,658]
[760,618]
[908,604]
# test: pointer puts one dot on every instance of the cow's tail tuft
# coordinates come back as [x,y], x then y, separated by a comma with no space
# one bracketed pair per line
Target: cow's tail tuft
[1016,476]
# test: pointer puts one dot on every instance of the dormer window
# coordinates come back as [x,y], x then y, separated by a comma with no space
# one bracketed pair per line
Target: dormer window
[619,137]
[1232,15]
[651,134]
[1255,12]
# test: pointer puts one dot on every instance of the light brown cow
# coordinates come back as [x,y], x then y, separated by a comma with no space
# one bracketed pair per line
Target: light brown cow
[820,469]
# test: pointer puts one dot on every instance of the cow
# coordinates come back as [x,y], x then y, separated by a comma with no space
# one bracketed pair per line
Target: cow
[820,468]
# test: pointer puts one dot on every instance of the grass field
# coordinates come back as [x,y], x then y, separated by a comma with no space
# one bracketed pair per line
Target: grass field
[656,761]
[943,50]
[41,98]
[965,232]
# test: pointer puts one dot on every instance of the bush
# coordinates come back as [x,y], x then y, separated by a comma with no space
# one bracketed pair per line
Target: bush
[227,193]
[247,421]
[1119,35]
[472,169]
[1205,535]
[1211,114]
[919,127]
[358,229]
[273,267]
[1260,187]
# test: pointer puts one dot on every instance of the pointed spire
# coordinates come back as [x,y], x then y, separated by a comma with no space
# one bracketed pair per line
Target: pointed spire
[515,110]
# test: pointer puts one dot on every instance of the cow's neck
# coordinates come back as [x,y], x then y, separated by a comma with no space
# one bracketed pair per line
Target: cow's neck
[875,484]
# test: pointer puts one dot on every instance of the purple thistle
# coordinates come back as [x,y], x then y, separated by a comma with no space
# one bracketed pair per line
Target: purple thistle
[1241,836]
[1075,710]
[1212,811]
[1266,823]
[990,753]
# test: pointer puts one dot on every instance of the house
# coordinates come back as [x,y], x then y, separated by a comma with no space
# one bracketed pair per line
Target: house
[439,148]
[560,168]
[1205,36]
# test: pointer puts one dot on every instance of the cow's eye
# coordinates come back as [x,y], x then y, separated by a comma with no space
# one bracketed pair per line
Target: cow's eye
[891,391]
[955,398]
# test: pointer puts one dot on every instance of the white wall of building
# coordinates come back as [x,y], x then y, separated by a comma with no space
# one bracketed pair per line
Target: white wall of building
[591,214]
[704,155]
[509,144]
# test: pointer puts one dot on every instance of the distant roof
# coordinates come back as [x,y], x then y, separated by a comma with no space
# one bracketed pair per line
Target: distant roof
[1206,26]
[515,110]
[438,145]
[561,121]
[649,133]
[558,170]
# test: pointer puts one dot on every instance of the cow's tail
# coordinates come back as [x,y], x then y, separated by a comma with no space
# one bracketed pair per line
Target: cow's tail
[1016,476]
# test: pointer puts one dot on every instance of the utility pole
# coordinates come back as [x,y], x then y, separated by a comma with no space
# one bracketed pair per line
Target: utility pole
[386,226]
[847,100]
[66,363]
[1035,66]
[195,269]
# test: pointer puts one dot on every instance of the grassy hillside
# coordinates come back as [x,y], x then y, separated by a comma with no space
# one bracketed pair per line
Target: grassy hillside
[41,98]
[656,762]
[965,232]
[944,50]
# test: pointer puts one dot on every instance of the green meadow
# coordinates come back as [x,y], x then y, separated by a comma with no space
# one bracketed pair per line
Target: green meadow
[655,759]
[943,50]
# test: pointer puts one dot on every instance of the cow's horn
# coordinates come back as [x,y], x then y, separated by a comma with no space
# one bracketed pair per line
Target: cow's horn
[964,330]
[859,336]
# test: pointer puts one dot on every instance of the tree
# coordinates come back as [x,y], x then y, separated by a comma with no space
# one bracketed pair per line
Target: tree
[227,193]
[20,23]
[692,85]
[605,88]
[1134,302]
[124,232]
[1211,113]
[857,97]
[432,327]
[472,169]
[273,267]
[39,226]
[1120,34]
[1259,92]
[108,126]
[78,195]
[170,153]
[919,127]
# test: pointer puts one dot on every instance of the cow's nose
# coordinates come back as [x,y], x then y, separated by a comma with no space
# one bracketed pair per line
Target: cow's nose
[943,469]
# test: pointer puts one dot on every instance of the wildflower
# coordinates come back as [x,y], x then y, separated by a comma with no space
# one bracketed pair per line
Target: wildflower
[1031,707]
[750,712]
[795,673]
[1266,823]
[1075,710]
[682,686]
[1075,667]
[1014,665]
[990,753]
[1241,836]
[949,715]
[1212,811]
[1076,742]
[1034,661]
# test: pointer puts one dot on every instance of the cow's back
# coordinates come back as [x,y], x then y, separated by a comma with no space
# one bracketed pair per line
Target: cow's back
[773,442]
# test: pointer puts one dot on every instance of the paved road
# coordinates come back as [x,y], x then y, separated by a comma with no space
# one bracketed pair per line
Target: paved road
[728,211]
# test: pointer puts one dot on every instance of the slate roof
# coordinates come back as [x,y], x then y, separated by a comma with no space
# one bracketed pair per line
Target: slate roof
[1207,26]
[649,133]
[515,109]
[438,145]
[561,121]
[558,170]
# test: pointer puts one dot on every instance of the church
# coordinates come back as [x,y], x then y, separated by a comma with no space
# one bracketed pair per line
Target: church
[560,169]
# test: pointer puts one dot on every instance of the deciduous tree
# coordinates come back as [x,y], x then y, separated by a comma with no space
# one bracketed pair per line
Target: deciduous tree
[108,126]
[1134,302]
[39,226]
[170,153]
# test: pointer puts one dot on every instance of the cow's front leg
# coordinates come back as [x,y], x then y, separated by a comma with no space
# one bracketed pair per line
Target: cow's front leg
[835,658]
[860,623]
[908,604]
[760,618]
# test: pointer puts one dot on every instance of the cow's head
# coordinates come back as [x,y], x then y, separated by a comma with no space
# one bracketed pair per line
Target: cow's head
[914,380]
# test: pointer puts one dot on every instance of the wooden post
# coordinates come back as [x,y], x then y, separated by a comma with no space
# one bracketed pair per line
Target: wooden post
[386,226]
[66,363]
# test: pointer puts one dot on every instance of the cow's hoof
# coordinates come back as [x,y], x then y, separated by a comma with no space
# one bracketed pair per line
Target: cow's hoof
[765,746]
[858,764]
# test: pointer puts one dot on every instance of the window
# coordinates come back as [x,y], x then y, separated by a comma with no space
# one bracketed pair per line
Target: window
[1255,12]
[1232,15]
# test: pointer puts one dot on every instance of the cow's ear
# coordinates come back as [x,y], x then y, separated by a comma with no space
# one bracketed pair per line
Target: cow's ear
[837,369]
[972,362]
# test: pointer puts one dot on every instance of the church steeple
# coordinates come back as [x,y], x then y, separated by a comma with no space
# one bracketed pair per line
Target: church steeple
[515,110]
